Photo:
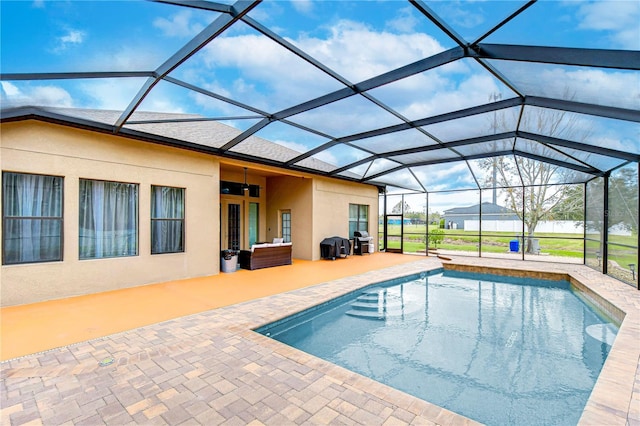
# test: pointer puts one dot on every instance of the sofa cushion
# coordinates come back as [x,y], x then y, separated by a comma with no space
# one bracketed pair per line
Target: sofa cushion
[255,246]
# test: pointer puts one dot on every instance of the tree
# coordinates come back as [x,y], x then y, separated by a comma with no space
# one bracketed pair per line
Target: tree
[436,237]
[528,183]
[571,206]
[415,217]
[623,198]
[434,217]
[623,205]
[399,208]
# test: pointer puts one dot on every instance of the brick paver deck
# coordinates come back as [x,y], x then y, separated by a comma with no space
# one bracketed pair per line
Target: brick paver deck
[210,368]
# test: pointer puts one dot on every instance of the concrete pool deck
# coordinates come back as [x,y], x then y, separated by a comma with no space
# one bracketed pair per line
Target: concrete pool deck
[210,368]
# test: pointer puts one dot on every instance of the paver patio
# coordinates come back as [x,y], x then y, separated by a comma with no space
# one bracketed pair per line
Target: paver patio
[210,368]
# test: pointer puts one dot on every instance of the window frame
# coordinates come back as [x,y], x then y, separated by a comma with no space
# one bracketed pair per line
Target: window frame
[6,219]
[164,219]
[286,236]
[358,222]
[136,221]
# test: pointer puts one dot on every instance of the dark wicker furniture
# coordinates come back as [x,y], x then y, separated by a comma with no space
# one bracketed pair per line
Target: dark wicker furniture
[265,256]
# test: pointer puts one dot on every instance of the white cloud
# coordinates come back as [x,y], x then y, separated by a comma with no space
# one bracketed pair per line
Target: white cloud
[364,53]
[9,89]
[603,86]
[72,37]
[257,71]
[615,139]
[325,156]
[303,6]
[179,25]
[437,92]
[607,87]
[298,147]
[460,14]
[405,21]
[214,106]
[106,94]
[45,95]
[619,18]
[116,94]
[270,78]
[446,176]
[125,58]
[109,94]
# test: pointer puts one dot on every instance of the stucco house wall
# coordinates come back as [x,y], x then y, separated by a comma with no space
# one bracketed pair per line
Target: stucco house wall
[42,148]
[331,201]
[319,208]
[294,194]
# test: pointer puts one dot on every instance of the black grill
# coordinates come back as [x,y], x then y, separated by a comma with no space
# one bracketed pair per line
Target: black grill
[333,247]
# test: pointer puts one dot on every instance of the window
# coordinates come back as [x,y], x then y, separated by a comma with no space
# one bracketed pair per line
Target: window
[31,218]
[254,222]
[108,219]
[358,218]
[285,222]
[167,220]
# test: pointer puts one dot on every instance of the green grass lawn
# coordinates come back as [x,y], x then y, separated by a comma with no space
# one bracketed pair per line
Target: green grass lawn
[568,245]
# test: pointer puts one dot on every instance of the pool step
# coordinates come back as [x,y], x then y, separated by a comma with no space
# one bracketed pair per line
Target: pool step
[375,303]
[367,314]
[374,306]
[368,298]
[365,306]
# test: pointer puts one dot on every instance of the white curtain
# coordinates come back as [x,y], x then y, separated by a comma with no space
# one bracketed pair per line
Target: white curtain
[167,219]
[32,209]
[108,219]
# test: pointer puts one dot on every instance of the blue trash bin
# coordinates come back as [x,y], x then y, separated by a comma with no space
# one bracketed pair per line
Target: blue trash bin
[514,246]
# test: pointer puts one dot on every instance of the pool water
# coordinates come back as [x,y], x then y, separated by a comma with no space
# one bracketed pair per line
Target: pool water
[499,350]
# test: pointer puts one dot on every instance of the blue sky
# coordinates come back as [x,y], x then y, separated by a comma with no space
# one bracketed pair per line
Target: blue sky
[358,40]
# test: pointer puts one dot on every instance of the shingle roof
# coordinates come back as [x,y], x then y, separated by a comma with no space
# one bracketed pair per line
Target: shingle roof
[487,208]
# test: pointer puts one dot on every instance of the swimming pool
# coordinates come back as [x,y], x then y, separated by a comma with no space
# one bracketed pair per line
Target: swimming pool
[499,350]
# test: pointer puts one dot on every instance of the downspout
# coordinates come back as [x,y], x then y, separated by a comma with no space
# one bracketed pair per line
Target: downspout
[604,238]
[384,218]
[480,218]
[524,212]
[584,225]
[426,219]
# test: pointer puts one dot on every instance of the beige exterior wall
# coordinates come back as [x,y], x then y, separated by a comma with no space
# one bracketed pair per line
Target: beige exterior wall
[331,199]
[293,194]
[42,148]
[319,208]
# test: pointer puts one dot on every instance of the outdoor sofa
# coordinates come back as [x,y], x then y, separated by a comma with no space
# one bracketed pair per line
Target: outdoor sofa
[265,255]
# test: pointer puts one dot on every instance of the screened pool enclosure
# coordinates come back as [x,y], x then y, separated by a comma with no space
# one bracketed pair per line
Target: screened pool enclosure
[490,128]
[570,223]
